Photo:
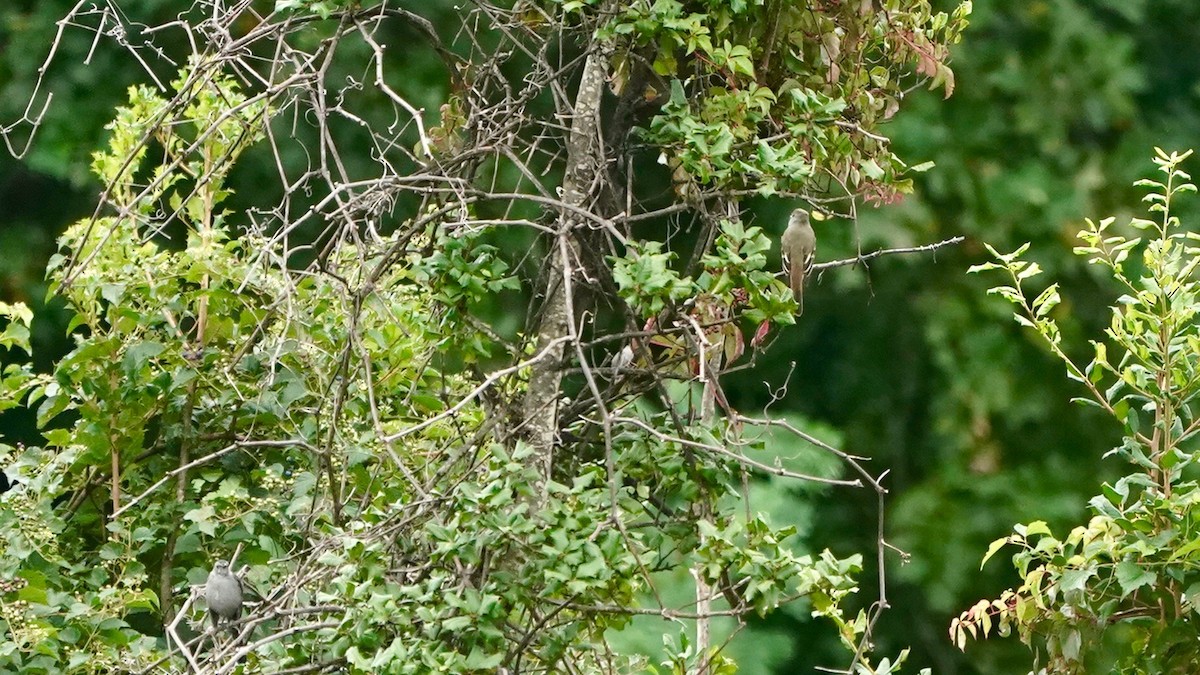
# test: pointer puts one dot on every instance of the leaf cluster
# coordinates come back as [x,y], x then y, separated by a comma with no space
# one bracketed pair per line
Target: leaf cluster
[1120,592]
[771,96]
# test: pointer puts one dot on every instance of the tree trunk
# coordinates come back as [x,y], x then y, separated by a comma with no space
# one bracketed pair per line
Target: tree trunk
[583,166]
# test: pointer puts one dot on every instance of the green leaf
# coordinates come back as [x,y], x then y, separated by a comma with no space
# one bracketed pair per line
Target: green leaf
[1185,551]
[1035,528]
[205,519]
[139,353]
[1132,576]
[992,549]
[872,169]
[1076,579]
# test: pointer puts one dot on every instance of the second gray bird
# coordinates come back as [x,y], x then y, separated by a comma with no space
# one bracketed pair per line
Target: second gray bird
[798,246]
[223,593]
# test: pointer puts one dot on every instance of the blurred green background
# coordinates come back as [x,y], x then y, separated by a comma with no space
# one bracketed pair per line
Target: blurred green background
[1057,108]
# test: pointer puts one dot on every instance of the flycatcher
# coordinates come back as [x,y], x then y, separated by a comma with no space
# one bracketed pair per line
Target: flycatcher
[798,245]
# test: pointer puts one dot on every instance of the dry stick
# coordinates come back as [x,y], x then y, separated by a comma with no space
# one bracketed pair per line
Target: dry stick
[605,418]
[172,631]
[233,660]
[186,437]
[36,121]
[378,424]
[207,458]
[742,459]
[381,82]
[881,545]
[168,558]
[670,614]
[886,251]
[312,667]
[606,424]
[704,592]
[539,623]
[605,223]
[474,393]
[342,375]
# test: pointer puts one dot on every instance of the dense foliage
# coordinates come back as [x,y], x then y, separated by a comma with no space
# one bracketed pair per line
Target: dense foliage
[907,361]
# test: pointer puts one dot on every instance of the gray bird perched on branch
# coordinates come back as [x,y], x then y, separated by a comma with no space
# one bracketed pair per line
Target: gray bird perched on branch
[798,245]
[223,593]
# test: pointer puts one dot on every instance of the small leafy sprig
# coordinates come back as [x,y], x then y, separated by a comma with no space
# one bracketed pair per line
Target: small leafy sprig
[1135,565]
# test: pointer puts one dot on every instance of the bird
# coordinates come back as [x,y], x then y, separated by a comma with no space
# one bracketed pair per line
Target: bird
[223,593]
[623,359]
[798,245]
